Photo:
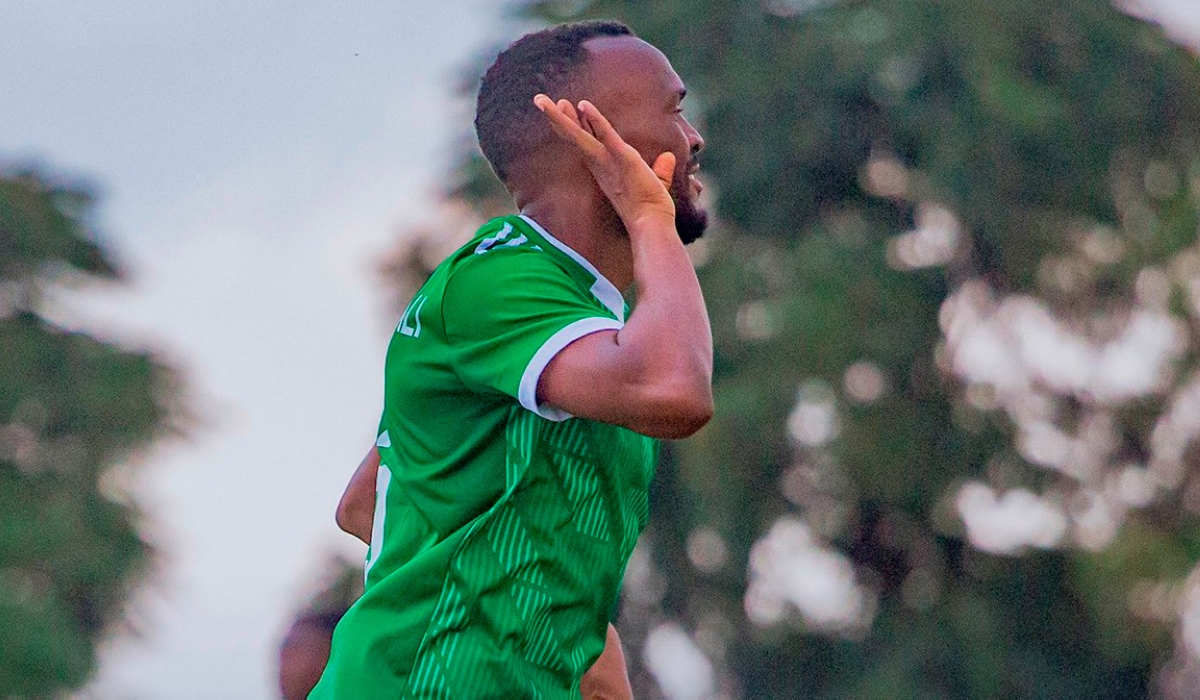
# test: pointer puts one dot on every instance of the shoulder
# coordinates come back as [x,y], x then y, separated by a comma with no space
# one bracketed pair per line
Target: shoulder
[500,253]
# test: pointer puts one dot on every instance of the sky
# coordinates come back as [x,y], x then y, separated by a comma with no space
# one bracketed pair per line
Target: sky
[254,160]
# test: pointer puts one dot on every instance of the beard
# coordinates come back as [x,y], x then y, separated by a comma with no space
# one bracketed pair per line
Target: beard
[690,219]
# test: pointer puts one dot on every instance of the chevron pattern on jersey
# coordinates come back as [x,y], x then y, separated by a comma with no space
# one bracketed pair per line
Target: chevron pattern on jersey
[428,680]
[510,541]
[637,514]
[552,480]
[575,467]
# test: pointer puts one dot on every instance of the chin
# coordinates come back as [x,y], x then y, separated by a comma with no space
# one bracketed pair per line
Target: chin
[690,223]
[690,218]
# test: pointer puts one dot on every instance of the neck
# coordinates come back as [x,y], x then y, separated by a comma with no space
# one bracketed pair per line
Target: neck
[582,218]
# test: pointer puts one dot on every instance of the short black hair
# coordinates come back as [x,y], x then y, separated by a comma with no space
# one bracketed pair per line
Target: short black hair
[507,123]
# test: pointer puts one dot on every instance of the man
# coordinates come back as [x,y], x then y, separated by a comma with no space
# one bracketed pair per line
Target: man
[522,398]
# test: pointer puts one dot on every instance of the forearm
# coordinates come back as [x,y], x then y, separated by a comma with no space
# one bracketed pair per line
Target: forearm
[656,371]
[668,336]
[356,509]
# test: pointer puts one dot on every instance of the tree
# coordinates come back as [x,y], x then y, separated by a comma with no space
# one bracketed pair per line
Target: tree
[953,294]
[73,410]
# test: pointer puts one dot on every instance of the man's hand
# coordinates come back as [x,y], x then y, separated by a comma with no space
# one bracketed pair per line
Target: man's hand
[356,510]
[608,679]
[636,190]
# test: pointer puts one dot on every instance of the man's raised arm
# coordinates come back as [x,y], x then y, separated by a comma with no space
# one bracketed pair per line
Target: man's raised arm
[655,374]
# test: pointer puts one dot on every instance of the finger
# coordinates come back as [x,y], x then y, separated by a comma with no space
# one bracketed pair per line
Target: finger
[554,111]
[598,124]
[569,110]
[664,168]
[579,116]
[566,127]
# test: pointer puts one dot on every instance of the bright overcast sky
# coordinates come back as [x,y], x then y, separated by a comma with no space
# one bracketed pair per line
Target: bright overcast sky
[253,157]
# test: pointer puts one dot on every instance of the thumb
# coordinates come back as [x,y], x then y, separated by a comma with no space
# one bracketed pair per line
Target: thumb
[664,168]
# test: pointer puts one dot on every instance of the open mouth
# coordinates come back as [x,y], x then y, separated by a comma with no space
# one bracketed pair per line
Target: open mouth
[695,183]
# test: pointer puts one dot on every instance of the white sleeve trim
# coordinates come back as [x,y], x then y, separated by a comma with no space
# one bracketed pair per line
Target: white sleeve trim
[527,392]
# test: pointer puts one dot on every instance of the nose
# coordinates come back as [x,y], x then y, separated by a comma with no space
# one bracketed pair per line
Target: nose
[695,140]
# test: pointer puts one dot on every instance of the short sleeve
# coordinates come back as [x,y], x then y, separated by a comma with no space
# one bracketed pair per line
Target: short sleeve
[507,313]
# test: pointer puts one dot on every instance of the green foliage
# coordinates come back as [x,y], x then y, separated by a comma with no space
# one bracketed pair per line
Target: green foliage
[43,225]
[72,409]
[1062,144]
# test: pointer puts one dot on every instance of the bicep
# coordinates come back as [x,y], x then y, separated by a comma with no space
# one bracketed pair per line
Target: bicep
[584,379]
[596,378]
[504,325]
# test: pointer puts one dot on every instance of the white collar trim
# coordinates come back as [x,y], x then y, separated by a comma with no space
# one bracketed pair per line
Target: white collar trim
[605,291]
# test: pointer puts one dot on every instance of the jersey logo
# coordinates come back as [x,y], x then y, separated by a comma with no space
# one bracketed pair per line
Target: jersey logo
[498,240]
[410,322]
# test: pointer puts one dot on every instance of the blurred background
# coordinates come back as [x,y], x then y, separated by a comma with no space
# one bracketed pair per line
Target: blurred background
[955,288]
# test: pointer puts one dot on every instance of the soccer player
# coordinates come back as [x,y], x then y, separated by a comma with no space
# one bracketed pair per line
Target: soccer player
[523,399]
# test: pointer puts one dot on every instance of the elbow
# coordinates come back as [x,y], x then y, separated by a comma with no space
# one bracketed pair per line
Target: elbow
[696,414]
[682,414]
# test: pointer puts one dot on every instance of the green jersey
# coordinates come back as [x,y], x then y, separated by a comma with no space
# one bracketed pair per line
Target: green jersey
[502,527]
